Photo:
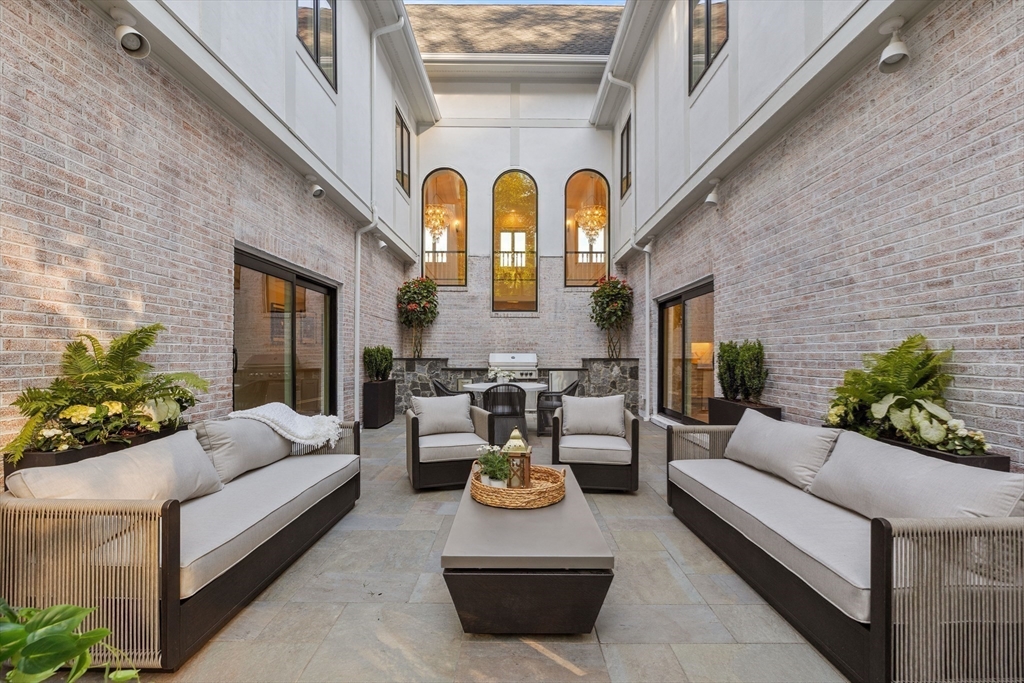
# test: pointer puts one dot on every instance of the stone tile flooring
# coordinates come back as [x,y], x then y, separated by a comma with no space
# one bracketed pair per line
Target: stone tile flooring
[367,602]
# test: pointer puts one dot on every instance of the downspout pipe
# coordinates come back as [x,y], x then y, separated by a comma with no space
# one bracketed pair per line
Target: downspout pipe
[374,221]
[648,394]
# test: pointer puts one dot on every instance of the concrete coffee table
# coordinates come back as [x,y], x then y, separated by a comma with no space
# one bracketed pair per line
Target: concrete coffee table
[527,571]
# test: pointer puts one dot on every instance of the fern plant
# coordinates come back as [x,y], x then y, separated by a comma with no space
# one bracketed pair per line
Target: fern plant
[103,395]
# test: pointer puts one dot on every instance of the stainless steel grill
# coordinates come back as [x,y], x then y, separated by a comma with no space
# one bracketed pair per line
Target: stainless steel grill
[524,365]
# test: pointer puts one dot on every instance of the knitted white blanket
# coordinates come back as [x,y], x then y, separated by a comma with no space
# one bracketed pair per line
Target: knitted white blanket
[306,433]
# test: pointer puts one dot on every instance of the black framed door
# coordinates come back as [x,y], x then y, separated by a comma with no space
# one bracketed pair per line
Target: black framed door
[686,352]
[285,338]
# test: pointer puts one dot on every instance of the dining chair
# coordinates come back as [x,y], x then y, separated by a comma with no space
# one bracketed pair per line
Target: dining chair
[441,390]
[548,402]
[507,402]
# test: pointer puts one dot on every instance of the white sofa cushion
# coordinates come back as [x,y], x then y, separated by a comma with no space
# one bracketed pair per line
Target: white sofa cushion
[875,479]
[595,449]
[443,414]
[174,467]
[221,529]
[586,415]
[789,450]
[823,544]
[237,446]
[452,446]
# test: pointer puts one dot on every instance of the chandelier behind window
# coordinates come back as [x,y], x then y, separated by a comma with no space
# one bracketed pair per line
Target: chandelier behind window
[591,220]
[436,219]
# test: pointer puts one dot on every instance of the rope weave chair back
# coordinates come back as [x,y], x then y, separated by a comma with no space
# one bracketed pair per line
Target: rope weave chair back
[506,399]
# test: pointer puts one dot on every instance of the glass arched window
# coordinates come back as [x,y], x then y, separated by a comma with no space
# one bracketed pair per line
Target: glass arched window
[514,272]
[444,228]
[586,229]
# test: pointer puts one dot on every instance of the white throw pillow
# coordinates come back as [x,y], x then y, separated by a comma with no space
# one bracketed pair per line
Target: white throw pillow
[237,446]
[443,414]
[174,467]
[589,415]
[791,451]
[875,479]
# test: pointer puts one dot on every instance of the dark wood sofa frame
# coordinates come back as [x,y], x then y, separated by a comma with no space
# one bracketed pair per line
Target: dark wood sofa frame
[599,477]
[910,638]
[446,473]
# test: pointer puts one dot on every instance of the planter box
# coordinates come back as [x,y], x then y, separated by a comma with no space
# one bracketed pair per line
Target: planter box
[378,403]
[1000,463]
[51,458]
[725,412]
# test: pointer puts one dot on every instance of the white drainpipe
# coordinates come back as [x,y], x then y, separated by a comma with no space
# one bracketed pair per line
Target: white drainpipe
[357,354]
[648,399]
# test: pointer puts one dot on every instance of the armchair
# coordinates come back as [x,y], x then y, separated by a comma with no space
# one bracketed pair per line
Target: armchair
[601,460]
[441,459]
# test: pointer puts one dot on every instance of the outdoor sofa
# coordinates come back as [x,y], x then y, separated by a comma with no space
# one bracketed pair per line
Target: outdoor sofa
[600,440]
[442,435]
[170,539]
[895,565]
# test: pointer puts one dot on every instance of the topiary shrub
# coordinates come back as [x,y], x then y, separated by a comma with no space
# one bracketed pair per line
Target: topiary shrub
[728,369]
[417,309]
[751,370]
[377,362]
[611,309]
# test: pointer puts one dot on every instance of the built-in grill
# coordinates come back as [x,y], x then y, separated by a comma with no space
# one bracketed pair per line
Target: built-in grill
[524,365]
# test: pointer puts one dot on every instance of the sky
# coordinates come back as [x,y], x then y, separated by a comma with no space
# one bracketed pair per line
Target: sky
[515,2]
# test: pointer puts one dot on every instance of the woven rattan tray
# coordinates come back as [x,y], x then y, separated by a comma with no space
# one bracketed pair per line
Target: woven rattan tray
[547,487]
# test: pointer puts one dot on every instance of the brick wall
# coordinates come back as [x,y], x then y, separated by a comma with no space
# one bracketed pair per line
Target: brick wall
[893,206]
[122,193]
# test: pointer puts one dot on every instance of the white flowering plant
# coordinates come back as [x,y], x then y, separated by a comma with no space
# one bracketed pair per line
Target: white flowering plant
[499,374]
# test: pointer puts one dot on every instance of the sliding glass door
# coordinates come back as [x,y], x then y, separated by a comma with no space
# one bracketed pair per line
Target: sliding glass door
[686,355]
[283,343]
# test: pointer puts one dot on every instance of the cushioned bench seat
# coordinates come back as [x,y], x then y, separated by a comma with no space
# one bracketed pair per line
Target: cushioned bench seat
[220,529]
[833,555]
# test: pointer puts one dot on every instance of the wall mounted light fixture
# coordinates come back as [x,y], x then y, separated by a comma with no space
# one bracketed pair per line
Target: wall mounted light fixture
[713,195]
[134,44]
[315,191]
[895,56]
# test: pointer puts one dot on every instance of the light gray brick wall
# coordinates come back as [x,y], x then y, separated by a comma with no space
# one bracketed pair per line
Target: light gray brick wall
[895,205]
[122,193]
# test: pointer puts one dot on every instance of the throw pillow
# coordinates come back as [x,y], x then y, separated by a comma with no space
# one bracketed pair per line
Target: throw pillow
[585,415]
[791,451]
[443,414]
[236,446]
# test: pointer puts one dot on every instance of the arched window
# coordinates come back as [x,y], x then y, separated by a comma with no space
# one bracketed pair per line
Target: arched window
[514,272]
[586,229]
[444,228]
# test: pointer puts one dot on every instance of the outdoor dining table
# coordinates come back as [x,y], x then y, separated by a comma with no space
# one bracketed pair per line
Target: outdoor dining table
[484,386]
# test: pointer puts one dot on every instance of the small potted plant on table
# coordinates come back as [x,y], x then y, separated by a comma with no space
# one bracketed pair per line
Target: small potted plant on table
[742,375]
[379,388]
[494,469]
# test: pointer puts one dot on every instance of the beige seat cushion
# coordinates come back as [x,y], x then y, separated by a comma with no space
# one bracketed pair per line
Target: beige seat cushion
[825,545]
[792,451]
[237,446]
[443,414]
[878,480]
[595,449]
[174,467]
[221,529]
[603,415]
[455,446]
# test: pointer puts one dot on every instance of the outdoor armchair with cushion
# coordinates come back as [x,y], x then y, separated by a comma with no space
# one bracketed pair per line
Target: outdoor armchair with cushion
[548,402]
[442,435]
[600,440]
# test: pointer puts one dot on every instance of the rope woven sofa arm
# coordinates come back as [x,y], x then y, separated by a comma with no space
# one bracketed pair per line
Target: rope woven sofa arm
[698,442]
[93,553]
[955,594]
[348,443]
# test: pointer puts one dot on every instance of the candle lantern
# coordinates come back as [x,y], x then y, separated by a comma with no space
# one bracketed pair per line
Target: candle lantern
[518,454]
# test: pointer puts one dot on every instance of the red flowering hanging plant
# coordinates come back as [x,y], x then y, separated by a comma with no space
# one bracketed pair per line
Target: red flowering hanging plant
[611,308]
[417,309]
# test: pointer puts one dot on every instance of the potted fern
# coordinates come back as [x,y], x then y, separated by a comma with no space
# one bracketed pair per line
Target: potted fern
[104,400]
[742,375]
[379,388]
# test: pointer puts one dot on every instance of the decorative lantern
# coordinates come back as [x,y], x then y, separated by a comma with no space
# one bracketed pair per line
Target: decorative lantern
[518,454]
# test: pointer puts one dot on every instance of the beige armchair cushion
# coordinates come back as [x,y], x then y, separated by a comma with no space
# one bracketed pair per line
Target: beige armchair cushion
[595,449]
[443,414]
[584,415]
[451,446]
[792,451]
[172,468]
[238,446]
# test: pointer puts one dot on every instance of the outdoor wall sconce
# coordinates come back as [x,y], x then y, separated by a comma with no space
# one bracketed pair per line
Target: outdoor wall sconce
[895,56]
[315,191]
[134,44]
[713,195]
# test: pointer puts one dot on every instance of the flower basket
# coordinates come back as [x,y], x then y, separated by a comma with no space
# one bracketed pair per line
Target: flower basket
[547,487]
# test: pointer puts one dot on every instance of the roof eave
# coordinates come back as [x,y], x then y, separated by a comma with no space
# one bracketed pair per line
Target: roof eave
[404,53]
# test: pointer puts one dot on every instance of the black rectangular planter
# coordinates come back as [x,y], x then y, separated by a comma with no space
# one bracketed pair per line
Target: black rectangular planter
[378,403]
[725,412]
[1000,463]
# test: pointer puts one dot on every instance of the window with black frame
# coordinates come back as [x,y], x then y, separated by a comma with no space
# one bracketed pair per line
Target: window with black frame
[402,150]
[317,28]
[686,354]
[625,160]
[444,228]
[706,37]
[586,229]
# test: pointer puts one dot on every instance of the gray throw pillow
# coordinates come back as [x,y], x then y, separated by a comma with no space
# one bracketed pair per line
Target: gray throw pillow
[236,446]
[791,451]
[172,468]
[443,414]
[603,415]
[878,480]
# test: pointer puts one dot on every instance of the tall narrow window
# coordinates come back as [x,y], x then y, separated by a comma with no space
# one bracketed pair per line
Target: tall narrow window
[586,229]
[625,160]
[686,355]
[283,341]
[514,276]
[444,228]
[402,144]
[317,28]
[707,35]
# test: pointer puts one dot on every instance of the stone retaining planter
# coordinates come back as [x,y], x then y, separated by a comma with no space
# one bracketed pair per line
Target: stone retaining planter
[1000,463]
[722,411]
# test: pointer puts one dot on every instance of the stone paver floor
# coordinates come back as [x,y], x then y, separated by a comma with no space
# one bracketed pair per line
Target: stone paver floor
[367,602]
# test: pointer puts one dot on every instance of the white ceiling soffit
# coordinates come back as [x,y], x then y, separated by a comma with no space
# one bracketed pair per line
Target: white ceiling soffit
[515,66]
[635,33]
[404,54]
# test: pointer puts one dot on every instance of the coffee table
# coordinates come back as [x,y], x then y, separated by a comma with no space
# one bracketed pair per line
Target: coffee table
[544,571]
